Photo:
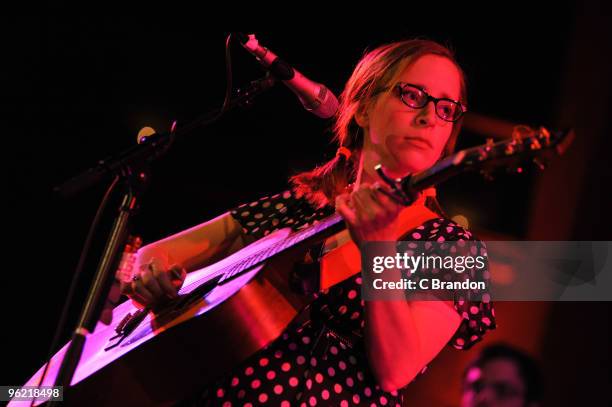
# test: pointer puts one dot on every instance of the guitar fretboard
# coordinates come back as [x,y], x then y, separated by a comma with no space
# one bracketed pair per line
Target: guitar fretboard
[292,240]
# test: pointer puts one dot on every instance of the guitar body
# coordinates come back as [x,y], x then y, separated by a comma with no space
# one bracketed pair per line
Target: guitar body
[168,357]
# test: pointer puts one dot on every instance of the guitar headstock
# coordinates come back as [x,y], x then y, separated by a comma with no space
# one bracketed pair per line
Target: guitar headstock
[526,145]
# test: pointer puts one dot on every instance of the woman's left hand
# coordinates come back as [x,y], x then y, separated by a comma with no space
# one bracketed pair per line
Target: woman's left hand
[369,214]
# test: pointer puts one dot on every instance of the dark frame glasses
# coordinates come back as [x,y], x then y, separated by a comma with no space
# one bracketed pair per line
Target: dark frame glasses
[416,97]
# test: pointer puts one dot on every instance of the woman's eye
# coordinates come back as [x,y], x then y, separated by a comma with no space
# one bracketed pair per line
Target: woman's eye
[446,110]
[412,96]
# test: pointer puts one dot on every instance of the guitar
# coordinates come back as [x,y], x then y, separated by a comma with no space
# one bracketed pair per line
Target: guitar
[231,309]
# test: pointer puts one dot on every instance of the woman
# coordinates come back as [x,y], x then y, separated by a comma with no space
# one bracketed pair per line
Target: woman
[402,107]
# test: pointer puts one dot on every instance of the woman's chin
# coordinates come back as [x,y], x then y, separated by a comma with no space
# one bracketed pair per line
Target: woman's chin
[413,163]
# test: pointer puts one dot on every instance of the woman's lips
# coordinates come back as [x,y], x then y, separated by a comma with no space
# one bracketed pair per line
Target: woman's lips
[418,142]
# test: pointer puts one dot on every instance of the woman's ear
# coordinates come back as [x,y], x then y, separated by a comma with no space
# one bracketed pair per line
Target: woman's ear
[361,116]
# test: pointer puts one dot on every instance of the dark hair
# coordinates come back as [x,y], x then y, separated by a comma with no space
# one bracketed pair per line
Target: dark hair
[528,368]
[374,71]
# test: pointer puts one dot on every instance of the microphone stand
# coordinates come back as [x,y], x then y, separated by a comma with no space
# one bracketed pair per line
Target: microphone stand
[131,167]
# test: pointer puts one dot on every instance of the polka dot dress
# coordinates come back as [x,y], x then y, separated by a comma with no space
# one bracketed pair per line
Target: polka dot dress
[307,365]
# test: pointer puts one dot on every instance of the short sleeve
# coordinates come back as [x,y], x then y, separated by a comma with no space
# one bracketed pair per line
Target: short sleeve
[475,307]
[269,213]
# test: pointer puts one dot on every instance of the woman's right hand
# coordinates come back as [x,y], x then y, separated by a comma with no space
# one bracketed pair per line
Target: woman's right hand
[155,279]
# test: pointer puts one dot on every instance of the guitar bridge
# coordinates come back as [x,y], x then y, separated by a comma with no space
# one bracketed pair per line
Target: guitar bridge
[127,326]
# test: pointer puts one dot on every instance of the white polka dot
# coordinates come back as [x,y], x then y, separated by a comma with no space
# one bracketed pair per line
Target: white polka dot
[306,340]
[263,397]
[383,400]
[271,375]
[300,360]
[356,399]
[285,367]
[263,362]
[333,350]
[352,360]
[319,378]
[312,401]
[248,371]
[278,389]
[352,294]
[331,371]
[349,381]
[342,365]
[367,391]
[235,381]
[337,388]
[293,381]
[220,393]
[325,395]
[255,383]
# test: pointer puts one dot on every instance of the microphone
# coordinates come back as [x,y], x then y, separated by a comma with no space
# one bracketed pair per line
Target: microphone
[315,97]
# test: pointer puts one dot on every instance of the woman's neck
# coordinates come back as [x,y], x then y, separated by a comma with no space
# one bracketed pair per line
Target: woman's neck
[367,177]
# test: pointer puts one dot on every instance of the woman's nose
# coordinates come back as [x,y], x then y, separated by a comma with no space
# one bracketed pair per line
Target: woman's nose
[427,115]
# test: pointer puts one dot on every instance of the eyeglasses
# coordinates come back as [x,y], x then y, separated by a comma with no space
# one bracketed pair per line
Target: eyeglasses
[417,98]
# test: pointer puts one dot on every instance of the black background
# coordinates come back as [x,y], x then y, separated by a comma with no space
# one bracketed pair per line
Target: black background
[80,86]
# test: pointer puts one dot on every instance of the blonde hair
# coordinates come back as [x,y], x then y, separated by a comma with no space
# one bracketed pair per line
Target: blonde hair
[373,73]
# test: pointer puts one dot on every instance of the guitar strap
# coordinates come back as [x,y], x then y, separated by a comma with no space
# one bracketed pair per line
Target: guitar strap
[344,260]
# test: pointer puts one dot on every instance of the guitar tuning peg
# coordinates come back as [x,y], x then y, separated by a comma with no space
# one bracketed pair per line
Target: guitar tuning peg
[539,164]
[544,134]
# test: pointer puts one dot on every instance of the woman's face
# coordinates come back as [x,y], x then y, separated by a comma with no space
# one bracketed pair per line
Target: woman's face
[406,140]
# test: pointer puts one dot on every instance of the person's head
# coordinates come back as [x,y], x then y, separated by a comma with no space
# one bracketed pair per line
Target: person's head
[502,376]
[380,119]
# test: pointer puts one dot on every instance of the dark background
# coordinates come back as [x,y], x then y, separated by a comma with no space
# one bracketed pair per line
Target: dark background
[81,86]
